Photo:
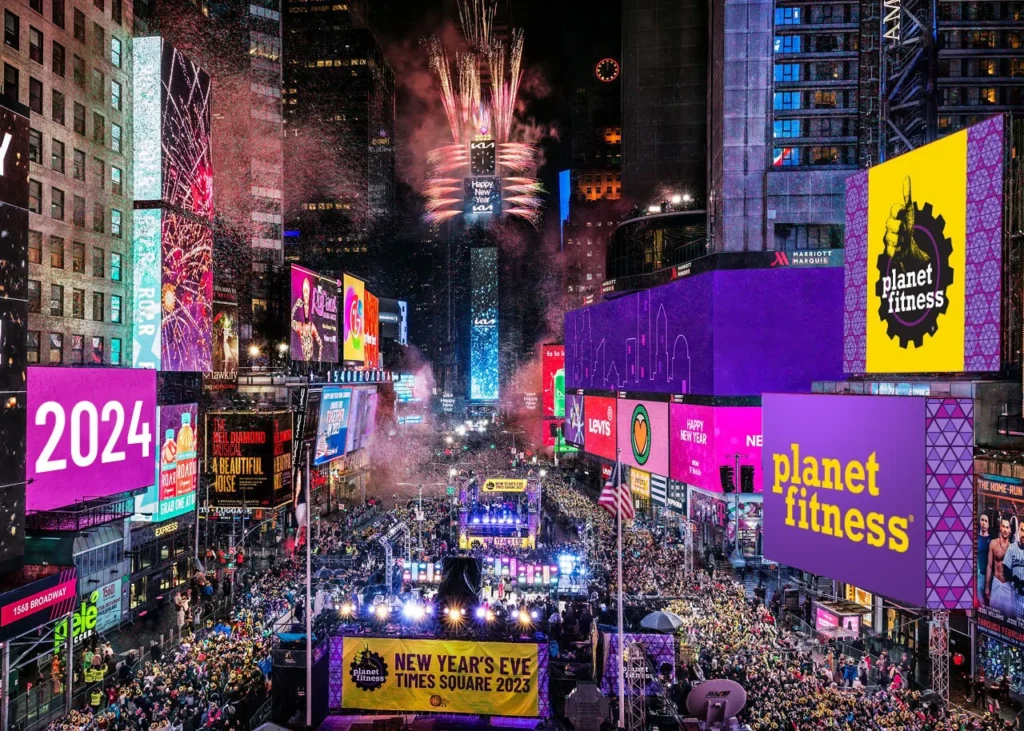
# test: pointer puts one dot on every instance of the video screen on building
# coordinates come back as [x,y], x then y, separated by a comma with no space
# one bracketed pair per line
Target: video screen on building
[173,491]
[483,333]
[332,429]
[371,327]
[249,458]
[552,370]
[354,319]
[314,316]
[483,195]
[999,526]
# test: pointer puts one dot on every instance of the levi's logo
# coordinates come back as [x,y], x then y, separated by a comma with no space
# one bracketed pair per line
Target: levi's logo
[599,426]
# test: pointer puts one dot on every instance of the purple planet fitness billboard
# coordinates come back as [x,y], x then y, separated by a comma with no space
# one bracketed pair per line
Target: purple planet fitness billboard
[875,491]
[314,316]
[692,336]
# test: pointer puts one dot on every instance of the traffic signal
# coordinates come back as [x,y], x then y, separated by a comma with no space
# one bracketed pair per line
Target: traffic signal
[747,478]
[727,474]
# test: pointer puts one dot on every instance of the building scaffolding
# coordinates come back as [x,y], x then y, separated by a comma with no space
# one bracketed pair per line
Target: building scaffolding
[636,671]
[938,650]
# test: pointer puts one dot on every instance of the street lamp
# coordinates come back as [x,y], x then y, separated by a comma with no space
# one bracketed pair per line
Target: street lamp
[677,199]
[687,198]
[254,351]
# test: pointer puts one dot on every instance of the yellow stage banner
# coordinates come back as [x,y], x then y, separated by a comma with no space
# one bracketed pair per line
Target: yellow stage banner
[492,678]
[504,485]
[640,482]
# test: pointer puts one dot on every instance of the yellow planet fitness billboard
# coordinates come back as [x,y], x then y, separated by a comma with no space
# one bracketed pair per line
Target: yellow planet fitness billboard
[924,258]
[492,678]
[354,319]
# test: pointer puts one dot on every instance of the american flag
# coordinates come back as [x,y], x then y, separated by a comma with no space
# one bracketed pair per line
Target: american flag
[616,494]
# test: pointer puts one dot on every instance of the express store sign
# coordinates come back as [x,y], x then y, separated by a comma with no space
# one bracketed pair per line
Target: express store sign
[599,421]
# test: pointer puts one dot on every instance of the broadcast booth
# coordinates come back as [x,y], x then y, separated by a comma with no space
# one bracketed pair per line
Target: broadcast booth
[835,619]
[501,512]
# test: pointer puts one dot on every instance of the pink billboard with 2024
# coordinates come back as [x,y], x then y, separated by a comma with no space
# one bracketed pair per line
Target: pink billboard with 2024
[91,433]
[706,438]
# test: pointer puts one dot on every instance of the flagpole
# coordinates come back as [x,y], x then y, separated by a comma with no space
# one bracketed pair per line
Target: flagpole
[617,475]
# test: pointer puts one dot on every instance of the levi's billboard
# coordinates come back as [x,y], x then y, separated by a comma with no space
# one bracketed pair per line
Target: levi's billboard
[91,433]
[706,438]
[852,491]
[924,254]
[599,431]
[643,435]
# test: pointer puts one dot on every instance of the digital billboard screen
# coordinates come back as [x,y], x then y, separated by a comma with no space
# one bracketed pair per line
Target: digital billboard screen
[249,458]
[483,157]
[86,439]
[389,317]
[483,333]
[575,413]
[599,434]
[371,327]
[483,195]
[314,316]
[706,438]
[186,293]
[924,235]
[999,527]
[553,374]
[354,319]
[362,413]
[173,491]
[642,428]
[332,431]
[847,493]
[667,339]
[224,355]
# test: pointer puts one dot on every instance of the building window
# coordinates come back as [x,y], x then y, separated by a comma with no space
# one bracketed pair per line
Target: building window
[786,128]
[79,119]
[784,156]
[78,304]
[77,349]
[115,308]
[57,60]
[57,7]
[99,218]
[115,223]
[787,16]
[115,95]
[12,30]
[785,100]
[115,11]
[32,346]
[57,156]
[115,351]
[57,300]
[35,247]
[97,306]
[35,145]
[824,100]
[799,237]
[97,262]
[35,196]
[97,351]
[115,181]
[35,45]
[788,44]
[57,107]
[11,77]
[79,28]
[99,39]
[78,71]
[787,72]
[57,204]
[98,173]
[99,128]
[56,252]
[115,267]
[99,85]
[115,51]
[115,137]
[824,155]
[56,348]
[35,297]
[35,95]
[78,165]
[78,211]
[78,257]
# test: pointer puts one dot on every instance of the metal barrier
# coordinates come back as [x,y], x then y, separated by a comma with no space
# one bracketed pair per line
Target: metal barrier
[262,714]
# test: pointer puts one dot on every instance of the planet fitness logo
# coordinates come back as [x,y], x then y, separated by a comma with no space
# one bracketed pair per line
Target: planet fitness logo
[640,435]
[368,670]
[913,271]
[354,318]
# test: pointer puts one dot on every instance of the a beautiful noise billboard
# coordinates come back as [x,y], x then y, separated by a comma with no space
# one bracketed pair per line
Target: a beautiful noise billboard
[924,238]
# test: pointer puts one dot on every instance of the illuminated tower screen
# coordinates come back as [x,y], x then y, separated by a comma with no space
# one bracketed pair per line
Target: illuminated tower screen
[483,336]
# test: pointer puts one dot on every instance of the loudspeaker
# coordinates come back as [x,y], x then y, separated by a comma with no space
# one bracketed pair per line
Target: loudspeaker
[727,474]
[747,478]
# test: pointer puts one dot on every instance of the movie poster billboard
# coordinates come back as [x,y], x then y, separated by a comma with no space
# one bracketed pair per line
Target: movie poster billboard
[393,674]
[173,491]
[847,493]
[999,526]
[249,458]
[924,237]
[314,316]
[575,428]
[706,438]
[371,327]
[224,358]
[87,439]
[354,319]
[642,428]
[599,435]
[332,430]
[552,370]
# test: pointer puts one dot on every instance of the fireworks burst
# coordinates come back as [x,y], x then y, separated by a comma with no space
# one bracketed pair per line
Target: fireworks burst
[475,113]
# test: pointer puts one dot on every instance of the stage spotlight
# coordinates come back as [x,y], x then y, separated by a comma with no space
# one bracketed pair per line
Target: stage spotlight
[446,611]
[429,609]
[489,616]
[382,611]
[346,610]
[481,612]
[533,614]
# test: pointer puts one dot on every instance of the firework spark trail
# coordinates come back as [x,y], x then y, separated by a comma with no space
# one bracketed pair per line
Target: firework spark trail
[437,203]
[470,92]
[441,216]
[439,64]
[524,201]
[477,18]
[527,214]
[534,186]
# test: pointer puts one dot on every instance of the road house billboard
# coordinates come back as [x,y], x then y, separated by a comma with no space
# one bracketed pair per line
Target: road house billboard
[924,256]
[852,491]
